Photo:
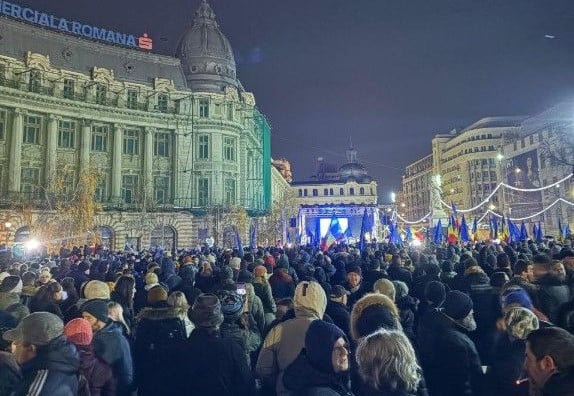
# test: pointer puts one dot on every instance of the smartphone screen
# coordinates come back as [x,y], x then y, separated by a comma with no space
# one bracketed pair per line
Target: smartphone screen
[241,289]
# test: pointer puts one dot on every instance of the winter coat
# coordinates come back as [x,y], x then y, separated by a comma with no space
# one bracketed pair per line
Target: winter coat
[255,307]
[400,274]
[560,384]
[10,374]
[97,372]
[8,299]
[552,293]
[54,371]
[263,291]
[213,366]
[506,366]
[449,358]
[159,336]
[385,390]
[407,306]
[112,346]
[282,345]
[302,379]
[340,315]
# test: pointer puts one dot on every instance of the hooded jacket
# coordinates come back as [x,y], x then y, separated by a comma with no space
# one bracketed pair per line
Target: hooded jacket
[54,371]
[112,346]
[284,341]
[552,293]
[303,379]
[367,301]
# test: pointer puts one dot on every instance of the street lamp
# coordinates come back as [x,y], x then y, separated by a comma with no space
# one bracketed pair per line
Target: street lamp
[7,226]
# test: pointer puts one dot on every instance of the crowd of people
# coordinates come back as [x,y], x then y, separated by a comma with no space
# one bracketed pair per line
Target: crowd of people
[451,320]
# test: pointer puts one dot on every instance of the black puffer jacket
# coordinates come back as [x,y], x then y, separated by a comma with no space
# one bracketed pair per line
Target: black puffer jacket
[9,373]
[552,293]
[449,358]
[54,371]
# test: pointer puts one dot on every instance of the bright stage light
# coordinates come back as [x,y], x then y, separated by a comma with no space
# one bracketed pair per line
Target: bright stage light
[416,243]
[32,244]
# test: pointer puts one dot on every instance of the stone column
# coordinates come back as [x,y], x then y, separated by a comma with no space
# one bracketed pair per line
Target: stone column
[175,167]
[86,142]
[51,150]
[148,162]
[15,165]
[117,163]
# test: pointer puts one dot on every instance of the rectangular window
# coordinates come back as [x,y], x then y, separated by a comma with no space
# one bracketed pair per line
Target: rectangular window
[351,191]
[132,99]
[230,191]
[203,191]
[162,103]
[129,188]
[66,134]
[161,144]
[32,127]
[203,147]
[131,145]
[161,189]
[2,74]
[204,108]
[35,81]
[315,192]
[3,117]
[229,149]
[101,93]
[100,138]
[30,182]
[100,192]
[325,191]
[68,88]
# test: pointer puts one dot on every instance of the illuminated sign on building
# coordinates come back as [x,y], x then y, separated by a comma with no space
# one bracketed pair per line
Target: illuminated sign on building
[73,27]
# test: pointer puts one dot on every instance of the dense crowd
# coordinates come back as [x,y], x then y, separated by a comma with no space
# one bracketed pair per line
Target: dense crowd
[451,320]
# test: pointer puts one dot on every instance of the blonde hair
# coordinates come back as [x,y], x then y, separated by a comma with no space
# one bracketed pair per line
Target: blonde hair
[387,357]
[177,299]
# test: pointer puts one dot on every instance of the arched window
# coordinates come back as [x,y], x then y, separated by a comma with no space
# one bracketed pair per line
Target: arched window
[163,237]
[105,237]
[22,234]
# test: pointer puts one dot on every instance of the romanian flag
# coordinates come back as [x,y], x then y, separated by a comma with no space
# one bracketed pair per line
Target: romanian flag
[452,234]
[334,233]
[504,230]
[454,215]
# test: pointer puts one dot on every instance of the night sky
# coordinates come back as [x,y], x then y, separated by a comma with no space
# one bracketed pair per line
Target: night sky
[388,73]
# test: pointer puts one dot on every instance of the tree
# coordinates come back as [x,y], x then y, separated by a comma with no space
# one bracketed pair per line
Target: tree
[557,147]
[271,227]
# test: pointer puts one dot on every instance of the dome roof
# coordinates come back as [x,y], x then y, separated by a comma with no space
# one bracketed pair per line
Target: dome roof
[206,55]
[353,170]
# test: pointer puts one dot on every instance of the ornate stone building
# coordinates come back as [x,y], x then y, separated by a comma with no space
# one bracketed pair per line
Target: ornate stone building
[176,138]
[345,192]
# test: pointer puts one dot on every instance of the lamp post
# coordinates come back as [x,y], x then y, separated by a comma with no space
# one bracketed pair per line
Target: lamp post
[7,226]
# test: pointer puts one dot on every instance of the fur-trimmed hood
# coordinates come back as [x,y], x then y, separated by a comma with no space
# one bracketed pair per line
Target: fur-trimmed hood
[161,313]
[367,301]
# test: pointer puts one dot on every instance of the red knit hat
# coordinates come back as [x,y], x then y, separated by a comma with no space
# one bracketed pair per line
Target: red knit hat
[79,332]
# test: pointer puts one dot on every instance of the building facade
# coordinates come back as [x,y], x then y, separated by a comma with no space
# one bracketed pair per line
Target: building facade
[346,193]
[416,188]
[174,138]
[468,161]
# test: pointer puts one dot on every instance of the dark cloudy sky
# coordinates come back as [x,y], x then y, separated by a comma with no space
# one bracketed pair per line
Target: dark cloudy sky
[389,73]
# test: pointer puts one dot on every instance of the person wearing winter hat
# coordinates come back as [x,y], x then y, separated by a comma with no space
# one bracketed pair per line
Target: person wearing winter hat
[323,366]
[445,347]
[284,341]
[337,308]
[372,312]
[10,290]
[228,373]
[354,285]
[386,287]
[110,344]
[96,289]
[520,322]
[98,373]
[49,363]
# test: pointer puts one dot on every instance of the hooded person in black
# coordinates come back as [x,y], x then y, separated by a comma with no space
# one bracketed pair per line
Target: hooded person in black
[322,368]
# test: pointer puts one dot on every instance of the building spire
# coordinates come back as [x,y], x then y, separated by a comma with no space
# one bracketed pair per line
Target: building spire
[204,14]
[351,152]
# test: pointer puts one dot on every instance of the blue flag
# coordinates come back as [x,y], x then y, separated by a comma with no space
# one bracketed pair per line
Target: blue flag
[335,228]
[409,236]
[238,243]
[539,234]
[364,230]
[395,236]
[437,238]
[523,232]
[534,231]
[463,233]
